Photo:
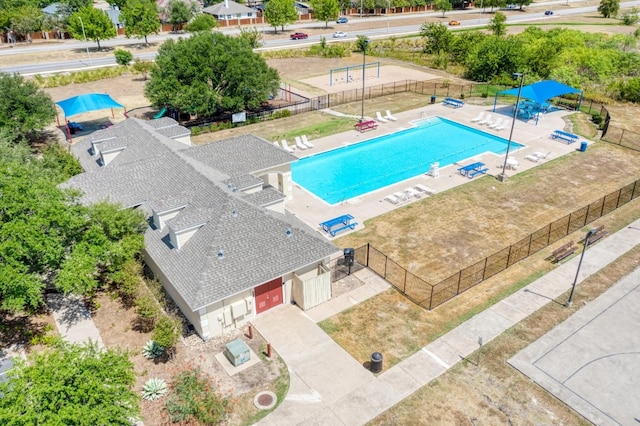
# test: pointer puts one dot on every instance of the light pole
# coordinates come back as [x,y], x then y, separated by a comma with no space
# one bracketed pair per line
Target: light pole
[365,43]
[388,17]
[575,281]
[503,176]
[85,39]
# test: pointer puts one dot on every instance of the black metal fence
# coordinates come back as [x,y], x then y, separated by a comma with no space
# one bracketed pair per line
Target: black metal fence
[615,135]
[430,296]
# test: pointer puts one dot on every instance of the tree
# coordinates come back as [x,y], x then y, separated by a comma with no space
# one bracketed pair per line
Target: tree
[73,6]
[209,73]
[167,331]
[25,109]
[251,36]
[26,20]
[522,3]
[140,18]
[97,25]
[609,8]
[443,5]
[437,37]
[279,13]
[202,22]
[142,67]
[179,13]
[631,17]
[497,24]
[123,57]
[71,384]
[325,10]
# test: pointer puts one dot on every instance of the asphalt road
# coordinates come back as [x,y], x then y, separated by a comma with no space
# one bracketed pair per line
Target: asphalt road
[394,28]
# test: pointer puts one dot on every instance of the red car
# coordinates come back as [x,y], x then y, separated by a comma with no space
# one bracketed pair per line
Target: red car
[298,36]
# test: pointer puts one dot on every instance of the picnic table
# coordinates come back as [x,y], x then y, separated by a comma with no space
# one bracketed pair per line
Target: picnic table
[465,170]
[366,125]
[569,138]
[337,224]
[456,103]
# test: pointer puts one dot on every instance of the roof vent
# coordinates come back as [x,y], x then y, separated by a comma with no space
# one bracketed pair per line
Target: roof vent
[220,254]
[234,213]
[289,232]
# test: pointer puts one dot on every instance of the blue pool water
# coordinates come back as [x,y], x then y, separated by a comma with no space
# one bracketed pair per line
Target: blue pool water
[360,168]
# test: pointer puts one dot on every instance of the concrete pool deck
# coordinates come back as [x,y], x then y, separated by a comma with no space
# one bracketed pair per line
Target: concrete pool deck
[536,138]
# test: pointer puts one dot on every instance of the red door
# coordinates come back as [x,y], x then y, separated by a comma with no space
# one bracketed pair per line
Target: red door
[268,295]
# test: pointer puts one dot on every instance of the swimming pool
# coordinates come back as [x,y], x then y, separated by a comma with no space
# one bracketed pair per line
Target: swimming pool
[360,168]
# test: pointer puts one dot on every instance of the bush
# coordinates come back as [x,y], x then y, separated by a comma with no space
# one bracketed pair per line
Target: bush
[167,331]
[148,310]
[123,57]
[195,398]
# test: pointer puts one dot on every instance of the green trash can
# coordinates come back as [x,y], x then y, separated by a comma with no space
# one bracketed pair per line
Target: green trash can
[583,146]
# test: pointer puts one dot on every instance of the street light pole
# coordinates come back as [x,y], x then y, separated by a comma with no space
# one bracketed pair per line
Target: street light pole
[388,16]
[365,43]
[503,176]
[575,281]
[85,39]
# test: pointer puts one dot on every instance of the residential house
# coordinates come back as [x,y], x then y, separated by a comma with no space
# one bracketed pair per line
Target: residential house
[219,238]
[229,10]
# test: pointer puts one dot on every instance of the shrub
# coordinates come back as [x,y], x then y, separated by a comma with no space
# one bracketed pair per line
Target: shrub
[152,350]
[153,389]
[123,57]
[167,331]
[148,310]
[195,398]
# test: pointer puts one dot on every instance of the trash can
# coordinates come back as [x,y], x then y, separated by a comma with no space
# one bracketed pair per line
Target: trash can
[433,99]
[583,146]
[376,362]
[349,255]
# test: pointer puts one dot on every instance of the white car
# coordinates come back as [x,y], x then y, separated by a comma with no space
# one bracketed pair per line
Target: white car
[339,34]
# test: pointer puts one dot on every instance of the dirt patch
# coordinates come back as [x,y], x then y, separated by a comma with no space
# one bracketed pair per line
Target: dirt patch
[117,326]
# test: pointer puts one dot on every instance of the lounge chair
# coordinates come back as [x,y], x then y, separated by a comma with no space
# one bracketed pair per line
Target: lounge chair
[401,196]
[412,192]
[420,187]
[275,143]
[380,118]
[497,124]
[478,118]
[512,163]
[299,143]
[487,120]
[389,116]
[542,155]
[532,157]
[286,146]
[503,126]
[392,199]
[306,141]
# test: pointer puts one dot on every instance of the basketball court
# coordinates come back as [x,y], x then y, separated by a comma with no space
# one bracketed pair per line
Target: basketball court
[590,362]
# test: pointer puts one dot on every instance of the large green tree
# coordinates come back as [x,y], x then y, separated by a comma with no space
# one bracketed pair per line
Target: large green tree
[609,8]
[25,109]
[437,37]
[95,23]
[70,385]
[498,25]
[140,18]
[325,10]
[209,73]
[280,13]
[443,5]
[202,22]
[178,13]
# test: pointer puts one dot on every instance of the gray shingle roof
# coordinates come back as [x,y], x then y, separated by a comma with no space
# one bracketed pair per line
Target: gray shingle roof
[221,9]
[154,172]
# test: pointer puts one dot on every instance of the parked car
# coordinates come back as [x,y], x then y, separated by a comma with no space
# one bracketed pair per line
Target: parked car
[298,36]
[548,12]
[339,34]
[452,23]
[342,20]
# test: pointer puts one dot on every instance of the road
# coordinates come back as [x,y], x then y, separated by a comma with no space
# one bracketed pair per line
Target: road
[394,28]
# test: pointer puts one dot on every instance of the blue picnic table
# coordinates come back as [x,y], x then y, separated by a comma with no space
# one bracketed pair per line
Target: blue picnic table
[337,224]
[465,170]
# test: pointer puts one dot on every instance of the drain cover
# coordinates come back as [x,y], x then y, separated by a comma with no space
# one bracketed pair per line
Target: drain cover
[265,400]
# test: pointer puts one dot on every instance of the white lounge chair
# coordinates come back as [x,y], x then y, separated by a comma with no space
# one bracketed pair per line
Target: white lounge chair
[505,125]
[392,199]
[299,143]
[380,118]
[487,120]
[412,192]
[286,146]
[306,141]
[276,144]
[542,155]
[402,196]
[532,157]
[497,124]
[420,187]
[389,116]
[478,118]
[512,163]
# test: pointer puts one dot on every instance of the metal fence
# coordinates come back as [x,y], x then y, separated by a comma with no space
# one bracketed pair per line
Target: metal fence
[430,296]
[615,135]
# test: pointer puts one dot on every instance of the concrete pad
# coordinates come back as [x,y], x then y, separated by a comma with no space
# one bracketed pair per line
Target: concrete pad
[510,312]
[527,301]
[486,325]
[443,351]
[365,403]
[551,286]
[231,369]
[73,320]
[422,367]
[322,311]
[590,361]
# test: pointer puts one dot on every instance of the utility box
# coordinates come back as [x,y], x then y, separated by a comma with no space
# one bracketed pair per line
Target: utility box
[237,352]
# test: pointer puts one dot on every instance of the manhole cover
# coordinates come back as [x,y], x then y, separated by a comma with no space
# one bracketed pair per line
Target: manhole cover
[265,400]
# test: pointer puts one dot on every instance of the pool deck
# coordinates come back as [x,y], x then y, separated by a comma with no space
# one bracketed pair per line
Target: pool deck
[536,138]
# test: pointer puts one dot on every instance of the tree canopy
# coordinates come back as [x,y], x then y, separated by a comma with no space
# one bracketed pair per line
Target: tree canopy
[280,13]
[210,73]
[25,108]
[325,10]
[609,8]
[92,23]
[140,18]
[202,22]
[178,13]
[70,385]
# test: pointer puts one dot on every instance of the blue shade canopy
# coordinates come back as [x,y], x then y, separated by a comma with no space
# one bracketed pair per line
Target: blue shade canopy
[542,91]
[86,103]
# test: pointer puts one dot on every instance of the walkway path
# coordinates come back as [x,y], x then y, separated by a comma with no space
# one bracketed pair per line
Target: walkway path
[73,320]
[328,386]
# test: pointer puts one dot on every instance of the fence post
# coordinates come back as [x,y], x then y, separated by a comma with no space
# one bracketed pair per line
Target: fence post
[586,216]
[431,298]
[404,282]
[368,254]
[531,240]
[459,278]
[621,137]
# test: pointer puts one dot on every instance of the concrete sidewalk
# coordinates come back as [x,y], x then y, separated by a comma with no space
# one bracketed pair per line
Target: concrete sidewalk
[328,386]
[73,320]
